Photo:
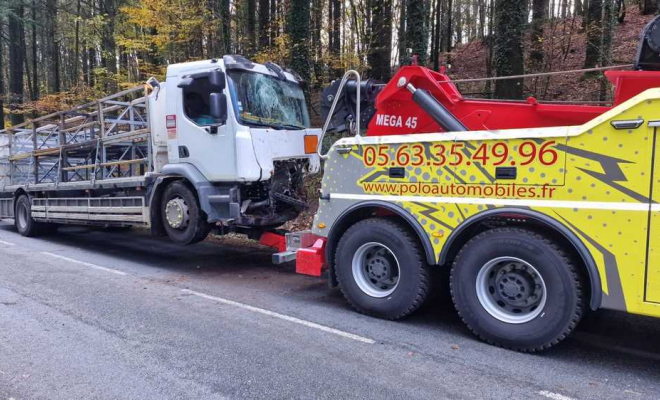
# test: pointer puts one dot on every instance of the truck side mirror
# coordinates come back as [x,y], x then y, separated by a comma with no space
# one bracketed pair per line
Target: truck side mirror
[218,105]
[185,82]
[217,80]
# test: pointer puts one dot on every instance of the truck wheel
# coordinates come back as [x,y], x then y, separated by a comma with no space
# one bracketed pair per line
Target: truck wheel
[516,289]
[183,219]
[23,220]
[381,269]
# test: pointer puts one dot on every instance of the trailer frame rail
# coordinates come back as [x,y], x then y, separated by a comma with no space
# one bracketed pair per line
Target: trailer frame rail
[101,141]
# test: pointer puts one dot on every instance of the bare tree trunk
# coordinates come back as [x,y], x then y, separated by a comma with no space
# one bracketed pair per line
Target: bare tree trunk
[355,27]
[88,56]
[417,33]
[551,10]
[577,8]
[621,11]
[274,26]
[367,15]
[51,55]
[108,44]
[606,43]
[335,32]
[401,33]
[298,28]
[317,45]
[251,27]
[85,66]
[336,26]
[594,33]
[35,71]
[447,29]
[435,40]
[539,8]
[510,18]
[648,6]
[2,75]
[16,48]
[491,47]
[458,22]
[222,32]
[76,58]
[226,27]
[330,20]
[91,60]
[467,21]
[28,76]
[264,23]
[482,19]
[380,49]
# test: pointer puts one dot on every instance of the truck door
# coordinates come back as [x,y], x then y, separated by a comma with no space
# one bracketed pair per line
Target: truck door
[652,293]
[201,141]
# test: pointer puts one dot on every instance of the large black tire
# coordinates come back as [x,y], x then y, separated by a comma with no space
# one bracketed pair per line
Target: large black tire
[376,246]
[23,220]
[194,228]
[528,296]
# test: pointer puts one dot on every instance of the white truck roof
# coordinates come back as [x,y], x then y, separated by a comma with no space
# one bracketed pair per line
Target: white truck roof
[228,62]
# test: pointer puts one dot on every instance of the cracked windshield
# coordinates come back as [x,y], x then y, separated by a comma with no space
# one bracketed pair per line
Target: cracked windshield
[266,101]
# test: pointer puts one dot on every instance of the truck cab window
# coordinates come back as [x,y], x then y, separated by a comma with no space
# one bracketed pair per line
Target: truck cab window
[196,102]
[262,100]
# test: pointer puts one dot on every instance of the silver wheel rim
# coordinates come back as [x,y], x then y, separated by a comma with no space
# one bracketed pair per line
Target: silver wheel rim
[511,290]
[376,270]
[22,216]
[177,213]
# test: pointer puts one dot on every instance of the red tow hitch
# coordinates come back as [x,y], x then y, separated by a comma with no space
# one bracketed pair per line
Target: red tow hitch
[307,249]
[274,240]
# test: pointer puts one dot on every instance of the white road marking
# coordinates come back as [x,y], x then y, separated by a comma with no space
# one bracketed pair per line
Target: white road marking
[100,268]
[7,243]
[283,317]
[554,396]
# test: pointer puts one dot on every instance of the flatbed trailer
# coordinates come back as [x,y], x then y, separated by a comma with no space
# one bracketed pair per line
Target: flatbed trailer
[204,150]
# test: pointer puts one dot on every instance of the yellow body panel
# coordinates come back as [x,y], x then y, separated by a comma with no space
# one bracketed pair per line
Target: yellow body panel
[653,273]
[593,179]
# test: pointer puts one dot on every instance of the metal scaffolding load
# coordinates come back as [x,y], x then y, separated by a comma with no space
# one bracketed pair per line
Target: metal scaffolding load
[108,140]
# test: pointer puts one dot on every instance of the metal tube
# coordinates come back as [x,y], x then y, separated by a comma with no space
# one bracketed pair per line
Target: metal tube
[436,110]
[334,105]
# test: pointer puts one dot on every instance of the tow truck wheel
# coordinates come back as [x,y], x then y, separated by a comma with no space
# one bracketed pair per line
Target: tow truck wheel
[183,219]
[23,220]
[516,289]
[381,269]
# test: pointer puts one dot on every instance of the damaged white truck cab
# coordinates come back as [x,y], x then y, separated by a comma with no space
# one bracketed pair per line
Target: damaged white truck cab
[221,143]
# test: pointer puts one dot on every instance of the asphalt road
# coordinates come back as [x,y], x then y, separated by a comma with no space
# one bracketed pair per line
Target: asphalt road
[96,315]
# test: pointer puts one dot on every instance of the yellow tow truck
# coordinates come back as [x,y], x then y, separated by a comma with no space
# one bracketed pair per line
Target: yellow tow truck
[538,225]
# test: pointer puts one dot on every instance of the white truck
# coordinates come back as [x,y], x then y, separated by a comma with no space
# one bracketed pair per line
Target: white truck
[222,144]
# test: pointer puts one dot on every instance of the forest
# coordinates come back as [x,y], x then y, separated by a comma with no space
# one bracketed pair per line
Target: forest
[57,53]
